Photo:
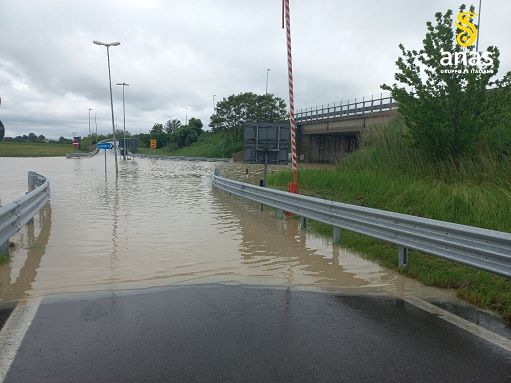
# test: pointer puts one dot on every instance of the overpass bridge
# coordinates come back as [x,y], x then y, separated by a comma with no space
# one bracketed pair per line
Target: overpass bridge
[327,133]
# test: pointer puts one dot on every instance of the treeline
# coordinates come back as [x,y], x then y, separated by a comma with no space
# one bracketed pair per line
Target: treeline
[173,135]
[231,114]
[31,137]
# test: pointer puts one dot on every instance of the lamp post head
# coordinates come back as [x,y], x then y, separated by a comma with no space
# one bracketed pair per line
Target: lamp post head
[114,44]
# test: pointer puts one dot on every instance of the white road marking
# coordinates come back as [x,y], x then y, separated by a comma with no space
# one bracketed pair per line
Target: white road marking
[464,324]
[13,332]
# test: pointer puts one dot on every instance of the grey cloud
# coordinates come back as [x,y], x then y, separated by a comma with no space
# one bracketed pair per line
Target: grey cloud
[177,54]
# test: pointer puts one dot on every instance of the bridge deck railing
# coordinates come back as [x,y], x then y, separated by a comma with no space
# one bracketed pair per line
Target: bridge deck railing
[346,109]
[481,248]
[16,214]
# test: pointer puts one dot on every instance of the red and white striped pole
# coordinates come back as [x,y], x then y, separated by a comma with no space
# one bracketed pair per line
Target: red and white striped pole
[293,186]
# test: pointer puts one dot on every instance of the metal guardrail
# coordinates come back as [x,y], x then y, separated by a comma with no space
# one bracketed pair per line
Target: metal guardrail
[82,155]
[89,154]
[348,109]
[481,248]
[182,158]
[16,214]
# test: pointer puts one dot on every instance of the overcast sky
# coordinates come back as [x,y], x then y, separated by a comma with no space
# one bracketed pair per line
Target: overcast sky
[177,54]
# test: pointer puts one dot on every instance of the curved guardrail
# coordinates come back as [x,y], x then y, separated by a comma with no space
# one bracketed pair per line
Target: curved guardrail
[82,155]
[16,214]
[485,249]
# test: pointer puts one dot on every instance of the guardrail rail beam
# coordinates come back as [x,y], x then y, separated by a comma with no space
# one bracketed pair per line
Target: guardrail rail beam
[485,249]
[16,214]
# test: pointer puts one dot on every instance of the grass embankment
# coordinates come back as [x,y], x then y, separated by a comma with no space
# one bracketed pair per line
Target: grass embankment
[209,145]
[22,149]
[387,174]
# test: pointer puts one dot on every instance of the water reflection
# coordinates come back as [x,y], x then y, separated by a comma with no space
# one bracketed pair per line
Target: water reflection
[278,249]
[161,223]
[14,286]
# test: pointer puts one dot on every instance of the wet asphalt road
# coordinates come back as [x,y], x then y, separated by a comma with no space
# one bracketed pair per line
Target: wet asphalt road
[216,333]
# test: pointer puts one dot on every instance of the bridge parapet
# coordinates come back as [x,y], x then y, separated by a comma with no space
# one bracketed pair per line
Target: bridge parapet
[355,108]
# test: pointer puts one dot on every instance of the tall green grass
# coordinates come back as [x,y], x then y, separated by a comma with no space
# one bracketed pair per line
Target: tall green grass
[388,173]
[208,145]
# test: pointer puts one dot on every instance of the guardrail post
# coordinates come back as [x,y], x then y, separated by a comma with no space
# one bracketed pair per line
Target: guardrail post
[403,257]
[32,184]
[261,183]
[4,249]
[303,223]
[336,235]
[32,181]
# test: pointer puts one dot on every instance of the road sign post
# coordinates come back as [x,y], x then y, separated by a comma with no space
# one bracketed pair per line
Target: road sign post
[106,146]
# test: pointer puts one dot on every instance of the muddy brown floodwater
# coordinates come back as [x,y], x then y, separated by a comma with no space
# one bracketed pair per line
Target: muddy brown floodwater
[163,224]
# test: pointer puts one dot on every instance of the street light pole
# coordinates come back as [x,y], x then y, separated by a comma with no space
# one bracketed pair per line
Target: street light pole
[124,113]
[111,97]
[214,102]
[186,114]
[89,121]
[478,26]
[267,73]
[96,123]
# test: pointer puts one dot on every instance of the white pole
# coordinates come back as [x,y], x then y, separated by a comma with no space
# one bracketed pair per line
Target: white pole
[112,108]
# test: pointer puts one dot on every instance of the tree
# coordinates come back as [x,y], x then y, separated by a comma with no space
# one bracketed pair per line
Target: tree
[442,90]
[32,137]
[184,136]
[172,125]
[157,129]
[196,125]
[63,140]
[231,113]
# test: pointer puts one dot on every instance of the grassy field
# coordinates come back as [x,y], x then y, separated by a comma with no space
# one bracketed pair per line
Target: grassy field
[212,145]
[18,149]
[386,174]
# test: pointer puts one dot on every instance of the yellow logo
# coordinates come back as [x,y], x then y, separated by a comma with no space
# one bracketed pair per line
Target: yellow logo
[468,33]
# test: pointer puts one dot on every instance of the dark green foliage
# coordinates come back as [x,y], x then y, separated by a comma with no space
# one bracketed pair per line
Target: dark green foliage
[173,135]
[232,112]
[208,144]
[32,137]
[172,125]
[448,114]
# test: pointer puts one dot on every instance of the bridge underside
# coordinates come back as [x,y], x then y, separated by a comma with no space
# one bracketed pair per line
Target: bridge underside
[329,141]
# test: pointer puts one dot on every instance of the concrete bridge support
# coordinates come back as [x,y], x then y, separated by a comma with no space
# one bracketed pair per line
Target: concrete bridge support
[330,140]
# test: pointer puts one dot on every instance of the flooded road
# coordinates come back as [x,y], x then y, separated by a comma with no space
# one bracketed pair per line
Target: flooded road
[163,224]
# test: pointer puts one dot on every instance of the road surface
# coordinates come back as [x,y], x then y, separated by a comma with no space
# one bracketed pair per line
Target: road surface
[222,333]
